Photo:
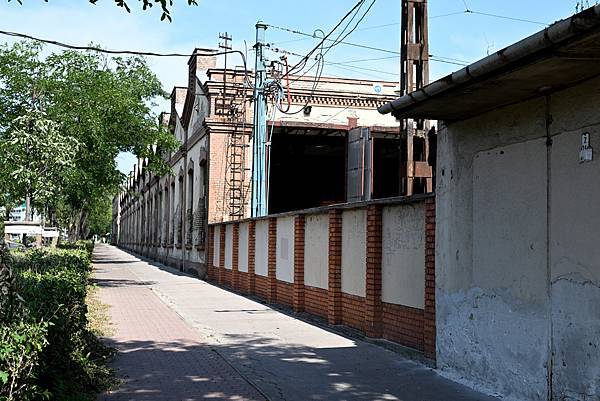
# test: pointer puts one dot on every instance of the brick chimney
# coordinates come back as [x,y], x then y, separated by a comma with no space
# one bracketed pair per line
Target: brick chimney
[199,63]
[352,122]
[177,100]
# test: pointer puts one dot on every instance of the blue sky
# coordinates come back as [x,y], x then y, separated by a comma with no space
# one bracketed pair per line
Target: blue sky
[466,36]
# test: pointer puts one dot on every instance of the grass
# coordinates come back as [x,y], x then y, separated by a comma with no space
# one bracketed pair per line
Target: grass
[98,313]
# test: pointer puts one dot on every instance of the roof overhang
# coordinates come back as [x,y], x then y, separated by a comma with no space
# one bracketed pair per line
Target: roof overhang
[562,55]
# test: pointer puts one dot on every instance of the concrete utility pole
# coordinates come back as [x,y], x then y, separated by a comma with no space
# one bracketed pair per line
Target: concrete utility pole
[259,184]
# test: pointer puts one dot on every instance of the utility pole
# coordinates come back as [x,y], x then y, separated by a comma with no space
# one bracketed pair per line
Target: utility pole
[259,130]
[414,74]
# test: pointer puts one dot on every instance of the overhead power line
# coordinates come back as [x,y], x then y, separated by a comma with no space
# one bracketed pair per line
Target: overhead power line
[125,52]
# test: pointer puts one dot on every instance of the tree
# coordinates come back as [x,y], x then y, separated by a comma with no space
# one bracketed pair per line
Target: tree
[100,220]
[105,104]
[36,159]
[165,5]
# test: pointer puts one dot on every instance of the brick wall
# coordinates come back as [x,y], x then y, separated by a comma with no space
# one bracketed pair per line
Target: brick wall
[403,325]
[242,282]
[429,313]
[298,295]
[353,311]
[409,326]
[261,286]
[315,301]
[335,268]
[221,269]
[373,307]
[210,273]
[285,293]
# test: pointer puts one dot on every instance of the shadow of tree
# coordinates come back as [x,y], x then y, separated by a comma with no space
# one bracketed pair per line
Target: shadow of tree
[281,372]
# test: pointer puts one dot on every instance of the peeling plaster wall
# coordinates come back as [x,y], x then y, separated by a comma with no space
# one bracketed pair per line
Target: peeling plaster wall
[403,255]
[261,255]
[316,251]
[285,249]
[228,245]
[575,245]
[354,252]
[518,276]
[217,246]
[243,248]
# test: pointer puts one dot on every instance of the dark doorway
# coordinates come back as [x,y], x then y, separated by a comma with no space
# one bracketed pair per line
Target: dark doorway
[308,169]
[386,167]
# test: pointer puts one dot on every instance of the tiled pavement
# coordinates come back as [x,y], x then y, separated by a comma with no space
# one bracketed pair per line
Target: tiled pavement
[160,357]
[167,324]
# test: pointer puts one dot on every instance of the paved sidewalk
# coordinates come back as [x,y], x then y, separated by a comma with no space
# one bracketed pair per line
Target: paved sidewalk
[286,358]
[160,357]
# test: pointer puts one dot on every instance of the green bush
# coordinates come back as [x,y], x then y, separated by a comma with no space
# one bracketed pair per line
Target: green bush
[71,362]
[84,245]
[21,345]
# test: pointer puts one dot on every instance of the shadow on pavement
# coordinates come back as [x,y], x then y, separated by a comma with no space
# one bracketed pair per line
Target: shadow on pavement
[278,371]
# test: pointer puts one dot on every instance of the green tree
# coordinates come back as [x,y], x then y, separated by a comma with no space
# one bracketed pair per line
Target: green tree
[36,158]
[105,104]
[100,220]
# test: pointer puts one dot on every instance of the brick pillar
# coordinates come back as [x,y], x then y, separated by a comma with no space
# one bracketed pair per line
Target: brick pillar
[334,293]
[429,313]
[272,261]
[373,306]
[251,254]
[210,252]
[235,278]
[221,254]
[298,296]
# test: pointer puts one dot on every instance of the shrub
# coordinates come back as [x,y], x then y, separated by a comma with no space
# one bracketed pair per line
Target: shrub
[84,245]
[70,363]
[20,347]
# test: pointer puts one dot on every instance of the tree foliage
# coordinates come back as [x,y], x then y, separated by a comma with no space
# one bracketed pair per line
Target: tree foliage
[37,158]
[93,105]
[165,5]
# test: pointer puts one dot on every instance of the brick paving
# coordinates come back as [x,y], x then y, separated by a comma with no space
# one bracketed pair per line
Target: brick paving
[159,356]
[170,326]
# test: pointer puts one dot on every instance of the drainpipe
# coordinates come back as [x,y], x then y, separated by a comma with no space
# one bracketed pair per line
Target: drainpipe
[548,125]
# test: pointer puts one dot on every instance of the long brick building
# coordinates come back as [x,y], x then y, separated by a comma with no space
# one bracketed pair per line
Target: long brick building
[333,151]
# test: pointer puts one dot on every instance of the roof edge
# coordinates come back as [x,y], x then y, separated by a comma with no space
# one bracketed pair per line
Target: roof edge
[553,35]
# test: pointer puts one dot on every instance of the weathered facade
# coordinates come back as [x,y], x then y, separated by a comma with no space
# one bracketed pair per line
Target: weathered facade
[165,218]
[518,273]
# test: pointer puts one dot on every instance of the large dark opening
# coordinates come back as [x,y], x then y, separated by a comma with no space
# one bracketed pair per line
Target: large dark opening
[308,169]
[386,167]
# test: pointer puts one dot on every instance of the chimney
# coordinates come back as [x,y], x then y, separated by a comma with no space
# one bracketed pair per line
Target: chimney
[177,101]
[164,119]
[352,122]
[199,63]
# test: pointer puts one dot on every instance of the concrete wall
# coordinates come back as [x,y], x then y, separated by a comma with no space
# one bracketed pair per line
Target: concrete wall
[261,266]
[403,255]
[354,251]
[518,283]
[285,249]
[316,251]
[574,252]
[243,248]
[228,245]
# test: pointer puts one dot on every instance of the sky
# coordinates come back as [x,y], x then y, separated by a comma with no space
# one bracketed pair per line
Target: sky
[454,35]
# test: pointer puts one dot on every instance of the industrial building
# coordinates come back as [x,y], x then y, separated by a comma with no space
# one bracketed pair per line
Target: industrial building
[333,147]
